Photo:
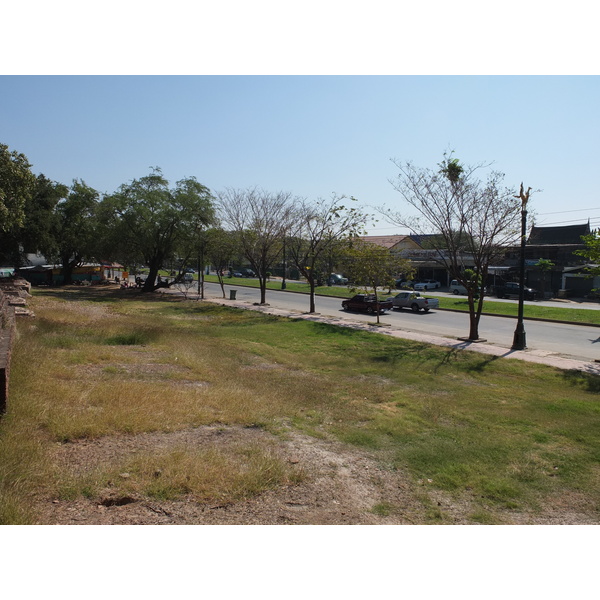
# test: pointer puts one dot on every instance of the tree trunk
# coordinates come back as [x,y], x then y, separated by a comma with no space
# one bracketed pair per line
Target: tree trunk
[543,284]
[67,273]
[201,275]
[262,283]
[473,319]
[67,270]
[311,282]
[221,282]
[150,283]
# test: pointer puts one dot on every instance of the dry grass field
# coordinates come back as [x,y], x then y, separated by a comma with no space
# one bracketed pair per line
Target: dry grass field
[149,409]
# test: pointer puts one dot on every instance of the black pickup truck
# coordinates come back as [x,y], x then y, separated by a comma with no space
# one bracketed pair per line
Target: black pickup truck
[368,303]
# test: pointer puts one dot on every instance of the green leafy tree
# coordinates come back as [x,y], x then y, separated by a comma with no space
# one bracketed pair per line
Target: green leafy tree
[316,231]
[147,221]
[38,230]
[17,186]
[260,220]
[472,220]
[591,252]
[75,228]
[194,245]
[39,234]
[372,267]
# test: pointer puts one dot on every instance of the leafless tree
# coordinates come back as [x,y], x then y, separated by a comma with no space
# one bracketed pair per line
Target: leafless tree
[317,229]
[185,286]
[221,247]
[260,220]
[472,221]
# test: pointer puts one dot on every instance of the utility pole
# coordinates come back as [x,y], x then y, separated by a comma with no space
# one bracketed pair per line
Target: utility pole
[520,338]
[283,283]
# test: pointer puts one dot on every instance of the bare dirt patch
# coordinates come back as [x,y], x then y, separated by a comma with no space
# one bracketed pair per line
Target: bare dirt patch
[342,486]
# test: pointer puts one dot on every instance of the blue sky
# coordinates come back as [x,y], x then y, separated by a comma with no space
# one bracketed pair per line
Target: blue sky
[312,135]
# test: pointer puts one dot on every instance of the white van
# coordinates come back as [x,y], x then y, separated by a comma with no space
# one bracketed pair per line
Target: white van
[456,288]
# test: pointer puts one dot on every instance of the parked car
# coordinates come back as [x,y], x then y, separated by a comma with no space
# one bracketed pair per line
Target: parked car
[237,274]
[414,301]
[337,279]
[403,284]
[510,289]
[368,303]
[457,288]
[246,273]
[427,284]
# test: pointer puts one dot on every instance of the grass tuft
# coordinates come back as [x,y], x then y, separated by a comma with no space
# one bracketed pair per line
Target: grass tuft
[384,509]
[222,475]
[127,339]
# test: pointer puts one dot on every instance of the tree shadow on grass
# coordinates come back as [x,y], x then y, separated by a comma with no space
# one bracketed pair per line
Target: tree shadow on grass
[333,329]
[481,365]
[438,357]
[590,382]
[101,293]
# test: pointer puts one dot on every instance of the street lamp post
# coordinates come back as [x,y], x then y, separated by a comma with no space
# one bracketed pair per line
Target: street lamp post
[520,339]
[283,284]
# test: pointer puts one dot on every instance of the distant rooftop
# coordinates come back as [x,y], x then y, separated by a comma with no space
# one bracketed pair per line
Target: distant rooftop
[387,241]
[565,234]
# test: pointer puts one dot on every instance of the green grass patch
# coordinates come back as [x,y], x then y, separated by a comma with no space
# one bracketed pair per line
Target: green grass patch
[384,509]
[505,434]
[530,310]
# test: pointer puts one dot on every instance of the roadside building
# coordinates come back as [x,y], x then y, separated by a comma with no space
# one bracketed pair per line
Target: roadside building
[567,277]
[428,262]
[112,271]
[397,244]
[92,273]
[558,244]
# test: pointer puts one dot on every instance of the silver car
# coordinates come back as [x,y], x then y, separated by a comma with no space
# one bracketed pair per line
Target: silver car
[428,284]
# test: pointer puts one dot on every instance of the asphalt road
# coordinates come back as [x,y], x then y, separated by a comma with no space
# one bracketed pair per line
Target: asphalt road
[569,341]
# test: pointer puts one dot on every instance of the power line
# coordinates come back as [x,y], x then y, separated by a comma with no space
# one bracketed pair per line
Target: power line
[578,221]
[560,212]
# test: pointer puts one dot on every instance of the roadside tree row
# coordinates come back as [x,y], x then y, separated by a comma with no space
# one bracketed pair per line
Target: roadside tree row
[148,221]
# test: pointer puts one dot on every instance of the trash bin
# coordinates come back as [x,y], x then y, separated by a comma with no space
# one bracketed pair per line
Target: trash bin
[232,294]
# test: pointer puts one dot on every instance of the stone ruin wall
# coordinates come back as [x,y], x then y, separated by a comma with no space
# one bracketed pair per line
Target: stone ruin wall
[13,304]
